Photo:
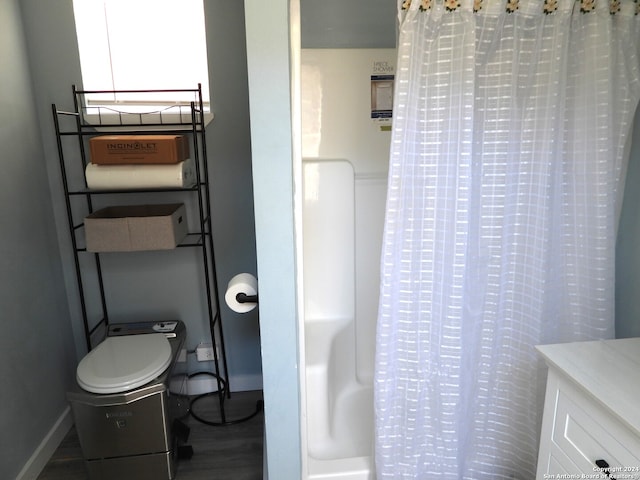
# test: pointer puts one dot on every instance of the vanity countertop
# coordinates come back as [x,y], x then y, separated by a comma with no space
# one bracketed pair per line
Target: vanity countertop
[608,370]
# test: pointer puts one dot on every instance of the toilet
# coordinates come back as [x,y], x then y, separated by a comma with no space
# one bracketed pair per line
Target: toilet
[124,411]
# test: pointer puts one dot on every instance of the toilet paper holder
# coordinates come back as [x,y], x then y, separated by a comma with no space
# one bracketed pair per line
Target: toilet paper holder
[242,293]
[244,298]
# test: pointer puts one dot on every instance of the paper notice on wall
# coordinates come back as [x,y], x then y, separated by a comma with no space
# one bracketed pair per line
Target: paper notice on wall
[382,94]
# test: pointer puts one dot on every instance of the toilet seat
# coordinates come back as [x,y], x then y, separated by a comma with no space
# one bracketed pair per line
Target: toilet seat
[123,363]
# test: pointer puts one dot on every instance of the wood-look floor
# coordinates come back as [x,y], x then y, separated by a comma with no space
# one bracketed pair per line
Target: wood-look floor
[231,452]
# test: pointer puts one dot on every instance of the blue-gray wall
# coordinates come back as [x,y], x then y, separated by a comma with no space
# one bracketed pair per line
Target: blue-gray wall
[628,248]
[348,24]
[37,353]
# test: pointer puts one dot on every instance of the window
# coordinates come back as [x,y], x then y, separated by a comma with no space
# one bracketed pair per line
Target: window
[142,45]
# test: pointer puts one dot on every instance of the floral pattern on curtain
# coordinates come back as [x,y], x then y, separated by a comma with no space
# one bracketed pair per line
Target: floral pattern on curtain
[508,158]
[549,6]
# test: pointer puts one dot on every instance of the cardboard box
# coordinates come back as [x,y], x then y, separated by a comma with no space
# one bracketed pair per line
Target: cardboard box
[138,149]
[136,227]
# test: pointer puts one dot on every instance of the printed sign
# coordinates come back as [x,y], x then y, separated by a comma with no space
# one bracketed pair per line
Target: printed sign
[382,92]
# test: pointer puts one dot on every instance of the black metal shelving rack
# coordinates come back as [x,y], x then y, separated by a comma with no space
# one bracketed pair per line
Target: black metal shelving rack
[185,118]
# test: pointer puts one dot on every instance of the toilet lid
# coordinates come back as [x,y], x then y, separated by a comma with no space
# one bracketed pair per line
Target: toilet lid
[122,363]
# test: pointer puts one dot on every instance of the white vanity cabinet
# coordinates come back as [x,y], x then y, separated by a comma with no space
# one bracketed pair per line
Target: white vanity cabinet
[591,421]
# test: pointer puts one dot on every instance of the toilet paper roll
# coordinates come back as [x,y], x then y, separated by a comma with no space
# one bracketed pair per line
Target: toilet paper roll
[178,175]
[241,283]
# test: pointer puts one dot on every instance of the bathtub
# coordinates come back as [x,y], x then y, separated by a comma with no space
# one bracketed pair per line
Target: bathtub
[340,262]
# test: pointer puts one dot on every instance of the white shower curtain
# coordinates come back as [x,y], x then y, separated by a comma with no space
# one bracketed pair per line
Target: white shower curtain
[510,141]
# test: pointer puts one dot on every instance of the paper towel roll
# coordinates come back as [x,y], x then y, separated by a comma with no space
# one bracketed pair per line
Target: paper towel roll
[176,175]
[241,283]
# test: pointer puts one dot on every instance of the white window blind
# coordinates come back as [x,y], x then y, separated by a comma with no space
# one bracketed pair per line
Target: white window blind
[142,45]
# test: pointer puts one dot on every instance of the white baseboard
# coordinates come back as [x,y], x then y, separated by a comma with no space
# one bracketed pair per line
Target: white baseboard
[47,447]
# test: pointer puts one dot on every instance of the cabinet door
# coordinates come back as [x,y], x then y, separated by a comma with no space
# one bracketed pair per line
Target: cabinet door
[552,461]
[581,431]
